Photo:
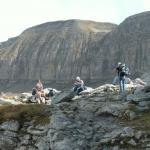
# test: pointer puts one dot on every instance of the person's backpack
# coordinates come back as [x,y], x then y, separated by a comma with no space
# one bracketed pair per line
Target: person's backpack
[124,70]
[51,93]
[33,91]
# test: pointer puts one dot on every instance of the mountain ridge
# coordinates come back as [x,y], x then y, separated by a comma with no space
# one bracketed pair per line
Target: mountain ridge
[59,51]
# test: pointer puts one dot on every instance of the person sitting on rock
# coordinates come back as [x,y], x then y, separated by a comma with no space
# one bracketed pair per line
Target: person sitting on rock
[78,85]
[38,91]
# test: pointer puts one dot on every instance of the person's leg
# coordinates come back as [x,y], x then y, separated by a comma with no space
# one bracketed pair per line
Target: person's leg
[43,100]
[80,89]
[115,80]
[39,98]
[75,88]
[120,86]
[123,84]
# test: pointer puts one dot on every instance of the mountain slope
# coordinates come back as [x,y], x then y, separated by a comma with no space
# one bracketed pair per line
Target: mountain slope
[129,43]
[56,51]
[60,51]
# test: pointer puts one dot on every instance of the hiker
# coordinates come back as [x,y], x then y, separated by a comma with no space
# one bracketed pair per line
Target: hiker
[123,72]
[116,78]
[78,85]
[38,91]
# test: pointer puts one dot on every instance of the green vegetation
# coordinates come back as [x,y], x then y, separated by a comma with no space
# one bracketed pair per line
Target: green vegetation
[39,114]
[142,122]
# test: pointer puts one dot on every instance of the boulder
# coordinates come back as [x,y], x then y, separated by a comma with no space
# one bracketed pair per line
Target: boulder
[11,125]
[86,91]
[4,101]
[7,143]
[139,97]
[111,109]
[65,96]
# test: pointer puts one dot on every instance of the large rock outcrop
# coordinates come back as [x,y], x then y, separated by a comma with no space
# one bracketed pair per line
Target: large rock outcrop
[59,51]
[129,43]
[55,51]
[99,120]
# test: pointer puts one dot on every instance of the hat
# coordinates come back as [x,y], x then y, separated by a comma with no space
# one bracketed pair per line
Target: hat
[77,78]
[119,63]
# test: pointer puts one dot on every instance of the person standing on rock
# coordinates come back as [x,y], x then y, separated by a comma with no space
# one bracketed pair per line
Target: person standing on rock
[123,73]
[116,79]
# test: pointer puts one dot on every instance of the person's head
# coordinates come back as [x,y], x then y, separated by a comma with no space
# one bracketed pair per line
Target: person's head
[39,81]
[119,63]
[78,78]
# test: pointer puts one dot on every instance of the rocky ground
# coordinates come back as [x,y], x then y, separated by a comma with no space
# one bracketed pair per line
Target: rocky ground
[98,120]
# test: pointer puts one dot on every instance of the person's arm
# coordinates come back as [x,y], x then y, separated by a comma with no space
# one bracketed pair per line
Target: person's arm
[36,86]
[82,83]
[142,83]
[76,82]
[41,86]
[115,69]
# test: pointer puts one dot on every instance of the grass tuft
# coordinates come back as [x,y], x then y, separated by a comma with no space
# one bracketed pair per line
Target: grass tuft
[39,114]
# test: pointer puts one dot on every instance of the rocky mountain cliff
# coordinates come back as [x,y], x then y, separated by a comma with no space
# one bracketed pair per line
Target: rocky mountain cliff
[56,51]
[60,51]
[129,43]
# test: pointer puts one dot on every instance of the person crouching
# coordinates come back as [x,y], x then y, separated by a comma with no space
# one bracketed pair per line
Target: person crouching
[78,85]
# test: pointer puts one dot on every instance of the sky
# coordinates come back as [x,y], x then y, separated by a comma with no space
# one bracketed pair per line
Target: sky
[18,15]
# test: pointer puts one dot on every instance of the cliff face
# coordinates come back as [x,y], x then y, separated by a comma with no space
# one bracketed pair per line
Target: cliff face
[129,43]
[60,51]
[56,51]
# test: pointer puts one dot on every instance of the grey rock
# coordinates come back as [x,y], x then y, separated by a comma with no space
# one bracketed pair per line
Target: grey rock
[36,131]
[64,144]
[114,134]
[138,135]
[11,125]
[9,102]
[127,132]
[143,103]
[112,109]
[139,97]
[105,141]
[132,142]
[115,148]
[60,121]
[26,148]
[25,140]
[43,144]
[142,109]
[10,134]
[130,114]
[148,145]
[62,97]
[7,143]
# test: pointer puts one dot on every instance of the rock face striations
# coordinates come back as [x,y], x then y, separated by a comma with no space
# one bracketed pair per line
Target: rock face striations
[129,43]
[54,51]
[59,51]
